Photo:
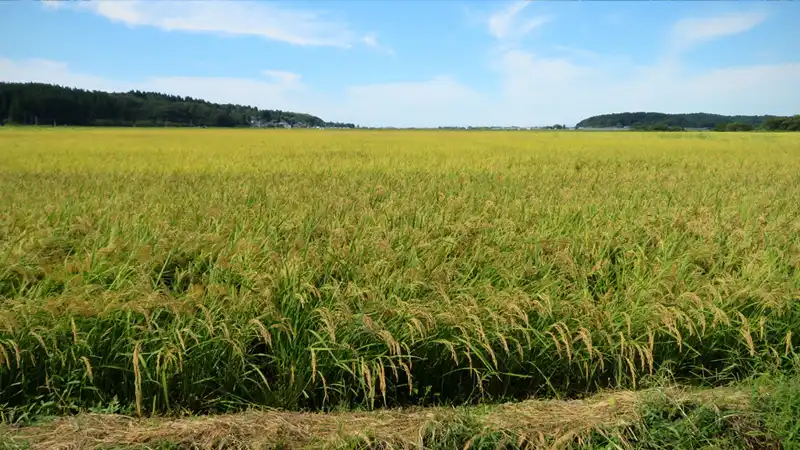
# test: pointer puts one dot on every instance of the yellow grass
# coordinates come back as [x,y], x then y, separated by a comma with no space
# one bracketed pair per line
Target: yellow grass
[529,424]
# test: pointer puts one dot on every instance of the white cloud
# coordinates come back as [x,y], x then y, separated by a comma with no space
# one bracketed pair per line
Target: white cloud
[577,52]
[288,79]
[562,91]
[500,21]
[537,89]
[264,19]
[51,4]
[506,23]
[693,31]
[371,41]
[47,71]
[280,89]
[274,94]
[416,103]
[531,89]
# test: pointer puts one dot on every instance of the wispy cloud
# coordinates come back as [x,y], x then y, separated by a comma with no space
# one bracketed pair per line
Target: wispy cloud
[39,70]
[564,91]
[289,80]
[371,41]
[410,103]
[577,52]
[264,19]
[507,23]
[276,89]
[693,31]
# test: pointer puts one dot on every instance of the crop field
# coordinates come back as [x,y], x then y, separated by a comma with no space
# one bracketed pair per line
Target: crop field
[154,272]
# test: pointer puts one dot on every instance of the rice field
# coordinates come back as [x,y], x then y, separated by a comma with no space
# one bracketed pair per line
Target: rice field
[159,271]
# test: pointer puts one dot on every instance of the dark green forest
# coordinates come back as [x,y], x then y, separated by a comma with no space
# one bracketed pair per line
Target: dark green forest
[46,104]
[674,122]
[782,123]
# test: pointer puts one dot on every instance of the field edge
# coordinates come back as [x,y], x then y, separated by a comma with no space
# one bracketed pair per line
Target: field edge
[621,419]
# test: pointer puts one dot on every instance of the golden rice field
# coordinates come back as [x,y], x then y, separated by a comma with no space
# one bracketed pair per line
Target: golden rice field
[154,271]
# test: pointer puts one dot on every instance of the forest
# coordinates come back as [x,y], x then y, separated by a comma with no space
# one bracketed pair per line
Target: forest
[675,122]
[47,104]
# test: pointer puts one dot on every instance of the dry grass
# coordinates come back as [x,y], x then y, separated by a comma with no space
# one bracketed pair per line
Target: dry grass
[532,423]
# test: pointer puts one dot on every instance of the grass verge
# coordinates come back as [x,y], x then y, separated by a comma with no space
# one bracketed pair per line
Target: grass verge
[757,416]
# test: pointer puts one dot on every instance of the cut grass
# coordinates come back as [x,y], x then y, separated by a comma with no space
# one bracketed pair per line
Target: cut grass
[611,416]
[162,271]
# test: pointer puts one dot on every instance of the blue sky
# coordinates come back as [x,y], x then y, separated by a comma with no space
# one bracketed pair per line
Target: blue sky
[421,62]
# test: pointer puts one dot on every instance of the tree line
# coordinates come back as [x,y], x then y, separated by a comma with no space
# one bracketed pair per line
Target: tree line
[782,123]
[47,104]
[654,121]
[770,124]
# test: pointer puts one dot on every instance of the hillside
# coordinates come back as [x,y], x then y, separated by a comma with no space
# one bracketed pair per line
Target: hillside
[38,103]
[651,119]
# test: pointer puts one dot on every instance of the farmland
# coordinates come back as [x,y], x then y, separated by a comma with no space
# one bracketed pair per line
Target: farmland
[156,272]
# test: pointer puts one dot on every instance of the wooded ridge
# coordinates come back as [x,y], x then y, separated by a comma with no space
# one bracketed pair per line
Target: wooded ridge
[47,104]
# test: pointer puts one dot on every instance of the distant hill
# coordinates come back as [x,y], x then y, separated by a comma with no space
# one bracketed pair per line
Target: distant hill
[46,104]
[653,119]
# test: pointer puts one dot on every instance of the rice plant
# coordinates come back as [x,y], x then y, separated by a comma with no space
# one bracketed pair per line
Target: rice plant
[166,271]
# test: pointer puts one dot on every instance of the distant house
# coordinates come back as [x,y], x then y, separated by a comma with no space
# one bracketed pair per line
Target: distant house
[259,123]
